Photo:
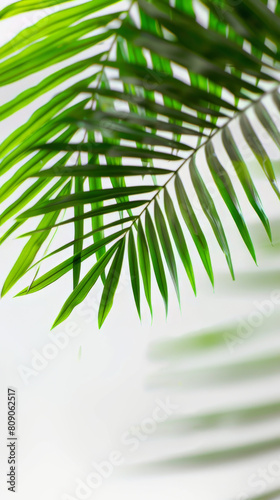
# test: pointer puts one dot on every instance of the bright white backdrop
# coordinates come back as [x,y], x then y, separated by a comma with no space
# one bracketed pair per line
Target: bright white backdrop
[77,408]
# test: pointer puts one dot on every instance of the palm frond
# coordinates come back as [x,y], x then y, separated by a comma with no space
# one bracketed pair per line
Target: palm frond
[151,101]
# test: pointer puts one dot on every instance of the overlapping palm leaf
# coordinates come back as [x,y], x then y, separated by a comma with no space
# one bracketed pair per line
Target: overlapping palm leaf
[159,87]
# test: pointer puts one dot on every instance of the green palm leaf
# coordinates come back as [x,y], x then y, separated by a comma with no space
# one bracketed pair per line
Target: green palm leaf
[152,102]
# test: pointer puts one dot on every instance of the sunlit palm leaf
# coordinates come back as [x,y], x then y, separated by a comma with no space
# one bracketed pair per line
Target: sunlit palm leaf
[148,103]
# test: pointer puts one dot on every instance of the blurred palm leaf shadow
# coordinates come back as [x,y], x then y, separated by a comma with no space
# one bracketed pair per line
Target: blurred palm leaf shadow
[269,496]
[230,420]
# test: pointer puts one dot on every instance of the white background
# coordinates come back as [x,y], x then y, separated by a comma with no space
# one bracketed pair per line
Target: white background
[75,411]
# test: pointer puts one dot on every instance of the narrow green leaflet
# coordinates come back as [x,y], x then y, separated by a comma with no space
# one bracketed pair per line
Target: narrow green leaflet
[134,271]
[111,283]
[267,122]
[144,262]
[101,171]
[156,258]
[210,211]
[194,227]
[117,131]
[83,198]
[78,233]
[258,151]
[81,291]
[98,120]
[98,221]
[111,150]
[108,209]
[244,177]
[166,246]
[178,237]
[27,5]
[225,187]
